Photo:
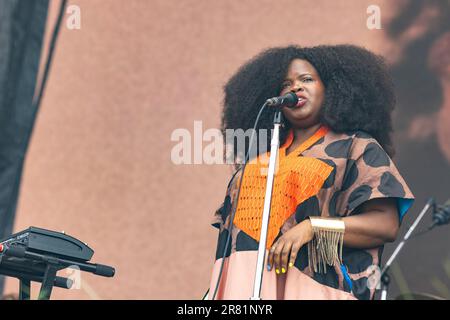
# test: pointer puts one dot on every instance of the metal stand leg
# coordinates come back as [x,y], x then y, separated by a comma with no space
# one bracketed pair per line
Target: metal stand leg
[47,283]
[24,289]
[385,280]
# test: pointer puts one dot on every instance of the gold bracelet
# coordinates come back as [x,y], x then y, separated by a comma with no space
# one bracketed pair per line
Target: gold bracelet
[326,245]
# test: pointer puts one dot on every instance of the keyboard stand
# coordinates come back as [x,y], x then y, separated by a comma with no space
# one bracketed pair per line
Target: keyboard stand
[24,289]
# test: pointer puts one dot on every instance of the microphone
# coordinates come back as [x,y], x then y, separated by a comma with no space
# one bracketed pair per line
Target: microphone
[288,100]
[441,215]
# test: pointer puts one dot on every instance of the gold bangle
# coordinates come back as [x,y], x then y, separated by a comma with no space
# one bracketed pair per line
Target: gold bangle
[326,246]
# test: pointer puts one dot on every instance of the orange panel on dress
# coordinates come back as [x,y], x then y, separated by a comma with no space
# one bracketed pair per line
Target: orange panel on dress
[297,178]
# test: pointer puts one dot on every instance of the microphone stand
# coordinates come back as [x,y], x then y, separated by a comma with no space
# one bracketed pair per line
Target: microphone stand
[384,275]
[274,144]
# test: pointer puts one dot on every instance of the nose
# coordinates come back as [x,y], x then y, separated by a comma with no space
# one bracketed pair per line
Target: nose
[297,87]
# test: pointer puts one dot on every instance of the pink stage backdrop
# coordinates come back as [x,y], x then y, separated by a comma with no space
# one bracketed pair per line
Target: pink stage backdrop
[99,164]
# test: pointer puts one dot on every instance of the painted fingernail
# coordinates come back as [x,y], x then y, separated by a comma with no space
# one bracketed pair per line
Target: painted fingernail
[291,264]
[277,271]
[268,267]
[283,270]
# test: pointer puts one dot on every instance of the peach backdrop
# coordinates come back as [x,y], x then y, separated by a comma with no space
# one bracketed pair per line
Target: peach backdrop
[98,165]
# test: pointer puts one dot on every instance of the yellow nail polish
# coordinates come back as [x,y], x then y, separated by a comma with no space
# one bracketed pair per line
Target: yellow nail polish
[277,271]
[291,264]
[283,270]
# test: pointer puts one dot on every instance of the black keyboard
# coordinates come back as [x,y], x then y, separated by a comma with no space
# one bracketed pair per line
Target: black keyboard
[37,254]
[49,242]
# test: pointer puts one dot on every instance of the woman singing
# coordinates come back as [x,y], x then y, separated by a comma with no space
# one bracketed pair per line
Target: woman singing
[337,195]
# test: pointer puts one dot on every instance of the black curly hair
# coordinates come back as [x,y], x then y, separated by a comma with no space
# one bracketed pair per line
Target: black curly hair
[359,93]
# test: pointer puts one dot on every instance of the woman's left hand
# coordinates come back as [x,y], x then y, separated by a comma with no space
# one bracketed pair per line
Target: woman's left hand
[288,245]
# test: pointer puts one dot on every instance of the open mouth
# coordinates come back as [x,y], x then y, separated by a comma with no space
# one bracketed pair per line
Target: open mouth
[301,102]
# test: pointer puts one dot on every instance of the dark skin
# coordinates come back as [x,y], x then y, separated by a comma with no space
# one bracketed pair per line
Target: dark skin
[378,221]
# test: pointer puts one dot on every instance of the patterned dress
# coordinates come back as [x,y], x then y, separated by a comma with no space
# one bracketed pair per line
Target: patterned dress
[350,169]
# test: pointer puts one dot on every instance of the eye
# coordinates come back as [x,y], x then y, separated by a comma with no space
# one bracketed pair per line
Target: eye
[308,79]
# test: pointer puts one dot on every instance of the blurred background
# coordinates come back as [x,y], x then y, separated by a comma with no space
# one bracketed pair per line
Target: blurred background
[93,158]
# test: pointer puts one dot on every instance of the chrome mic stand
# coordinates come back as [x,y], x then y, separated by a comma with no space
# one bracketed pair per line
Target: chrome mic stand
[274,144]
[384,276]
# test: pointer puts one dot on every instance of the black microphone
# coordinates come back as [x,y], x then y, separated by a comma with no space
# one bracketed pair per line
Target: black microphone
[288,100]
[441,215]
